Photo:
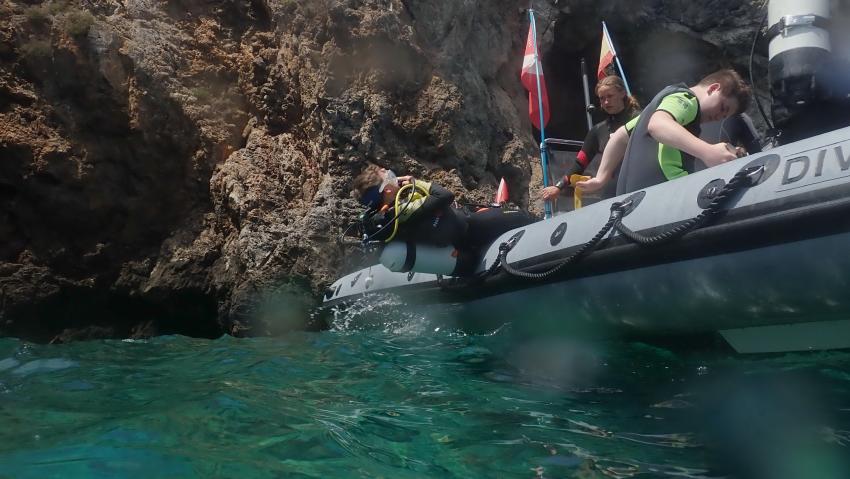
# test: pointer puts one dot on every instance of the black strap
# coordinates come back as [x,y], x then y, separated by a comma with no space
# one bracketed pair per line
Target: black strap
[410,260]
[792,21]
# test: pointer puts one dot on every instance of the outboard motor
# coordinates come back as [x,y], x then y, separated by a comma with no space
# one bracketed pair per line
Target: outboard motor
[799,49]
[808,82]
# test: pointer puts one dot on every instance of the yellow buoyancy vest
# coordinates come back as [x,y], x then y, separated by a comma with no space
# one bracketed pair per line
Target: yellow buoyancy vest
[408,199]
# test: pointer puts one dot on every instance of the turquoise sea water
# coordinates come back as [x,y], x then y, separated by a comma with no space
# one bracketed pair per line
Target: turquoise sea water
[412,400]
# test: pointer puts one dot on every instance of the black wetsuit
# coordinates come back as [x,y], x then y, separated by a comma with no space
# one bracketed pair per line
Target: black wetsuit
[594,144]
[435,221]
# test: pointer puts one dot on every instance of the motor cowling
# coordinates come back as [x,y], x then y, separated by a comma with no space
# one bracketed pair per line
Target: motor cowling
[799,49]
[402,257]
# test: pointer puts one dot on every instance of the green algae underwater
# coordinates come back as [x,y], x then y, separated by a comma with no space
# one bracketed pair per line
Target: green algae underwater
[410,400]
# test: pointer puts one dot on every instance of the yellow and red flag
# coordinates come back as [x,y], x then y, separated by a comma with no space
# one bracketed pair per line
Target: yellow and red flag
[531,69]
[606,54]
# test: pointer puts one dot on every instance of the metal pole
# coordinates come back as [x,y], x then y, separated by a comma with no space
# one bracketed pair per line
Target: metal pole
[623,75]
[587,105]
[544,158]
[616,59]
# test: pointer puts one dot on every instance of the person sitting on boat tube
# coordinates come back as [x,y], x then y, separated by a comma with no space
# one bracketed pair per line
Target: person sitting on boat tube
[620,107]
[423,212]
[663,142]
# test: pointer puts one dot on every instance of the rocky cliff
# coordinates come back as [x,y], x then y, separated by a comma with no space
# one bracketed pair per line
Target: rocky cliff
[183,166]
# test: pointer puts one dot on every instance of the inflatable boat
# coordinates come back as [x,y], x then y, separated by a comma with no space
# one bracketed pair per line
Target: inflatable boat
[771,272]
[755,249]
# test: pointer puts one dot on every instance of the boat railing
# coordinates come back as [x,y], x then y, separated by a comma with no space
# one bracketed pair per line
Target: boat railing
[563,145]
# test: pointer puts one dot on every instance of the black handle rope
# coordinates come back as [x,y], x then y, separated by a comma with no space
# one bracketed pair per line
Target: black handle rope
[743,178]
[617,210]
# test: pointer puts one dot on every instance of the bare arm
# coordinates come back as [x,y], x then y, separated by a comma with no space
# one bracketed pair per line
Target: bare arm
[664,129]
[612,156]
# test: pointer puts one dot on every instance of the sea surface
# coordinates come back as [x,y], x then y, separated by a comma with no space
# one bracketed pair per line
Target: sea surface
[408,399]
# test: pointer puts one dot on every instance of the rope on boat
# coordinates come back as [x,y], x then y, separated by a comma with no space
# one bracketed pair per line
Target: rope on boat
[743,178]
[617,210]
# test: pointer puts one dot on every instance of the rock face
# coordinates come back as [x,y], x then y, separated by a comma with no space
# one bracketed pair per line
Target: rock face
[184,166]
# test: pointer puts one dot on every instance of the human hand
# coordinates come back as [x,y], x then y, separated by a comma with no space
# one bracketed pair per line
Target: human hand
[550,193]
[740,151]
[403,180]
[719,153]
[592,185]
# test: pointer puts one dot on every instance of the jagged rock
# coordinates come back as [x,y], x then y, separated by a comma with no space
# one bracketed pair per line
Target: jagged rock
[184,166]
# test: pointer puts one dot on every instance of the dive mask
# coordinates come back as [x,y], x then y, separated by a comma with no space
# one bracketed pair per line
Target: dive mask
[372,197]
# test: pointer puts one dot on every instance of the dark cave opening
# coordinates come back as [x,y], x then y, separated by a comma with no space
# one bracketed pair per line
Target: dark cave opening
[82,313]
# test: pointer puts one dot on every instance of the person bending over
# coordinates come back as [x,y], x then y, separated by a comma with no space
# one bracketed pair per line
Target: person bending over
[425,213]
[619,107]
[663,142]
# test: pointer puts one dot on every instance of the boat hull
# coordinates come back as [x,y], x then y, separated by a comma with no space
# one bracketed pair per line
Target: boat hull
[776,256]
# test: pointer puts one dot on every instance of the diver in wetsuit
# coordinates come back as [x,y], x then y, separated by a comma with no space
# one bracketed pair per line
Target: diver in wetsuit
[418,211]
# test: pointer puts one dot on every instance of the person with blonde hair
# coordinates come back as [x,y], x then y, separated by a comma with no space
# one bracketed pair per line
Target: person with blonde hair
[619,107]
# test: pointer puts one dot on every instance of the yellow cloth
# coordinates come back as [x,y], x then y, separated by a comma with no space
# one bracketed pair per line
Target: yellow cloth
[574,179]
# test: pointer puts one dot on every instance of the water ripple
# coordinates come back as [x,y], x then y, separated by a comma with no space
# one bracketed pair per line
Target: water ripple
[385,402]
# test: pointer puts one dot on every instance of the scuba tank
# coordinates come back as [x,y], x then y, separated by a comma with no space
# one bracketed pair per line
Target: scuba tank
[799,50]
[401,257]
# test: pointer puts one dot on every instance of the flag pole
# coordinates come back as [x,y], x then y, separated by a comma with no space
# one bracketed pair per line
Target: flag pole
[616,58]
[587,104]
[544,155]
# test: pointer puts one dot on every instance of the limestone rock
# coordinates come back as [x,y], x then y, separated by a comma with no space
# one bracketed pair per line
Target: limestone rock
[184,166]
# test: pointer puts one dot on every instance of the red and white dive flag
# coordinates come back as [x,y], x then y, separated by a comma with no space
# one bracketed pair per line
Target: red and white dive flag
[531,67]
[502,194]
[606,54]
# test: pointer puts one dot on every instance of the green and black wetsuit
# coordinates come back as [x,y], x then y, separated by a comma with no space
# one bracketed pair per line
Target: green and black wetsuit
[648,162]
